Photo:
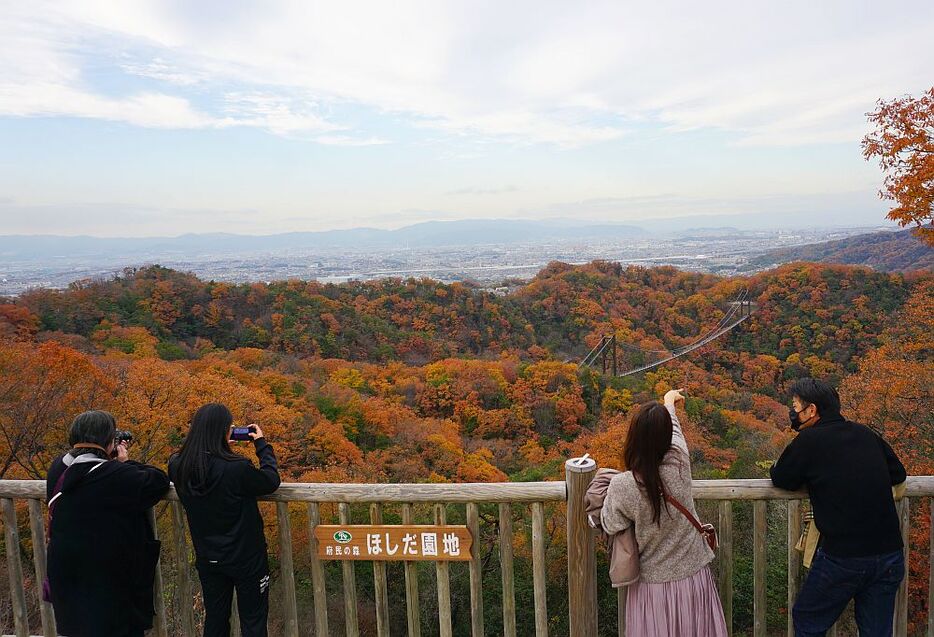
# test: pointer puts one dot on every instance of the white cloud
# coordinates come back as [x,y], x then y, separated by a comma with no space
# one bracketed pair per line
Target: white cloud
[787,73]
[164,71]
[279,115]
[525,126]
[150,110]
[344,140]
[42,75]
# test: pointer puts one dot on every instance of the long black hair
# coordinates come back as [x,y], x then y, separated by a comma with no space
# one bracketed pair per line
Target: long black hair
[207,437]
[647,442]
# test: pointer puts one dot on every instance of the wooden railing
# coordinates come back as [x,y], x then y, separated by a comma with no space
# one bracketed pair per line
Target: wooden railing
[582,554]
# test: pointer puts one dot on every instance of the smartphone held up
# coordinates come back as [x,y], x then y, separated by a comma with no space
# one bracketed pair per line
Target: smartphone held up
[242,434]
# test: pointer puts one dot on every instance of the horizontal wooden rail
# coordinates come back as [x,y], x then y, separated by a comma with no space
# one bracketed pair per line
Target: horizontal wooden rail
[500,492]
[918,486]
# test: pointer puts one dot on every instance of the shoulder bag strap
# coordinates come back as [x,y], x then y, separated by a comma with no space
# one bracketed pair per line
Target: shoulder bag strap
[685,512]
[57,493]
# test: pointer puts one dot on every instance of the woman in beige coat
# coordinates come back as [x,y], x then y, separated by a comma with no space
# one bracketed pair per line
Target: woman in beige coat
[676,595]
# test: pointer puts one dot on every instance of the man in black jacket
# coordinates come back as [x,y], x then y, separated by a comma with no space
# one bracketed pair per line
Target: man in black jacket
[218,489]
[848,471]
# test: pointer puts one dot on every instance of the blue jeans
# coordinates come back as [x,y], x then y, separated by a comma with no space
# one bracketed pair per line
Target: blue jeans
[833,581]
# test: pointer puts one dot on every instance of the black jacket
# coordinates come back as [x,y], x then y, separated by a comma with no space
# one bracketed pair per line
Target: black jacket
[226,527]
[102,553]
[849,471]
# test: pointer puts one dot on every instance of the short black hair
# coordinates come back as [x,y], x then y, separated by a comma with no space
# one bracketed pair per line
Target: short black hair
[97,427]
[818,393]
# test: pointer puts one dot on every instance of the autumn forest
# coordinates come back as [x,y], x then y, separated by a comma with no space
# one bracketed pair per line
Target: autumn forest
[416,380]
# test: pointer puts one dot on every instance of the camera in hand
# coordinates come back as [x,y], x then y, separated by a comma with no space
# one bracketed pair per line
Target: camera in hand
[121,437]
[242,433]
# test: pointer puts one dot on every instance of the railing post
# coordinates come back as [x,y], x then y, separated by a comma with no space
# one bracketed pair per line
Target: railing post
[160,626]
[930,632]
[539,572]
[582,568]
[476,571]
[725,566]
[37,524]
[506,570]
[759,533]
[380,582]
[443,576]
[317,573]
[413,617]
[15,567]
[287,570]
[351,620]
[185,606]
[901,600]
[794,560]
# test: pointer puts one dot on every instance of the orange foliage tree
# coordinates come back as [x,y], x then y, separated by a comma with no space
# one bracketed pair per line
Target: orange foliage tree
[904,143]
[17,322]
[893,392]
[42,388]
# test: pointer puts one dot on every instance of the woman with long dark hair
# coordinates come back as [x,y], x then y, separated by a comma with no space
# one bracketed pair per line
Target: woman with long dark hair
[676,595]
[218,489]
[102,552]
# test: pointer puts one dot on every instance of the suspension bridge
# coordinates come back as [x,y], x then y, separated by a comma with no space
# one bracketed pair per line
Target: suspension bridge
[606,355]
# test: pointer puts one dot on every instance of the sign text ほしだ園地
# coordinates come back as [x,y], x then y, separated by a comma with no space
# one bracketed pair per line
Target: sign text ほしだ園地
[393,543]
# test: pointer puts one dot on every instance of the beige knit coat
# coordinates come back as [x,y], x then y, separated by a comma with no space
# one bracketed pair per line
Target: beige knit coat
[671,549]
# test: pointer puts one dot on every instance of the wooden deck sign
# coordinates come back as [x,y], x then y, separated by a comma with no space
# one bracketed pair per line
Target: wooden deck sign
[410,543]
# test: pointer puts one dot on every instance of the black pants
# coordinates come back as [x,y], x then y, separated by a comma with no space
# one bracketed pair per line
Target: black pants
[217,585]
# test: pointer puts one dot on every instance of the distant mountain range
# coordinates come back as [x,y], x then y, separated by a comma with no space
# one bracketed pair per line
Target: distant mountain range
[885,251]
[889,251]
[422,235]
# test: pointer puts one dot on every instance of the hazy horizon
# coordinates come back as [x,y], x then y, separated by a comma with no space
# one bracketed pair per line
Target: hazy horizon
[485,252]
[662,225]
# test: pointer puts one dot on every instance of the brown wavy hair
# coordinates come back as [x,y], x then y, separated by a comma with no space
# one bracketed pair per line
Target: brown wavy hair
[647,442]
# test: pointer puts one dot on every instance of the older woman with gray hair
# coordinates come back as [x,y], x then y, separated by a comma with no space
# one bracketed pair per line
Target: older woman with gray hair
[102,552]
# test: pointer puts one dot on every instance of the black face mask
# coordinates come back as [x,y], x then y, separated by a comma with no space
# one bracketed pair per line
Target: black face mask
[795,419]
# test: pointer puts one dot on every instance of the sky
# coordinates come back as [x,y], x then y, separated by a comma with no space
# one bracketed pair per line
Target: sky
[142,118]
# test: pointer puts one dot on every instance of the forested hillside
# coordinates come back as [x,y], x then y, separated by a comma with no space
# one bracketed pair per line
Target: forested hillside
[415,380]
[343,367]
[901,251]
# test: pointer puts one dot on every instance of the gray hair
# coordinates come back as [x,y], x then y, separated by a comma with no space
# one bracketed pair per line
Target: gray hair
[96,427]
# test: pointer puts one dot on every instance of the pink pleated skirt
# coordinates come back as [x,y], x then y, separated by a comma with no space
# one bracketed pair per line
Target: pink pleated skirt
[688,607]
